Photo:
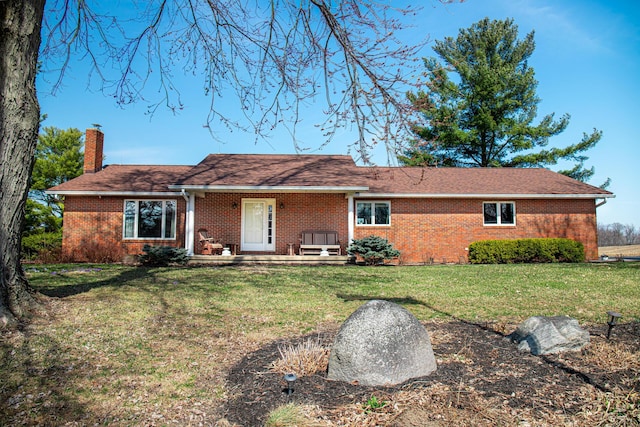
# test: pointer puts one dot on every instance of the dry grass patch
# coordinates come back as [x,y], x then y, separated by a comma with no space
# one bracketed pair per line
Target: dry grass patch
[609,355]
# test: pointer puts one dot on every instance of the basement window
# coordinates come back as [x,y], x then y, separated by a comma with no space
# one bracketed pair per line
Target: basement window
[150,219]
[373,213]
[499,213]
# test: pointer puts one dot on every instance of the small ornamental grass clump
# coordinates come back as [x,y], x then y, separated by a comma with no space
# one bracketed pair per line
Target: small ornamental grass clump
[292,414]
[373,249]
[306,358]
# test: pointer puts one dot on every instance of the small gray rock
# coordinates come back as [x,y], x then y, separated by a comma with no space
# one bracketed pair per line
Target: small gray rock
[549,335]
[381,343]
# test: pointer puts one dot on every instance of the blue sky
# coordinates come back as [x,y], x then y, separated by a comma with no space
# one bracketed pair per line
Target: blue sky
[586,61]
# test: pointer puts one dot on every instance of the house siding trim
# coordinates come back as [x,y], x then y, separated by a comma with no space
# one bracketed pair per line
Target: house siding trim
[483,196]
[351,219]
[266,188]
[189,239]
[117,193]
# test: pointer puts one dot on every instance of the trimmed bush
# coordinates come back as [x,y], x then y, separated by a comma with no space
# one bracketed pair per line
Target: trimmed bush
[525,251]
[160,256]
[373,249]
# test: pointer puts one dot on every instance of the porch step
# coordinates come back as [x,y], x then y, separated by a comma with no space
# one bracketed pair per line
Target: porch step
[268,259]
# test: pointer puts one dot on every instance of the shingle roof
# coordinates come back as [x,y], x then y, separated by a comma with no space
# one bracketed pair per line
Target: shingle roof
[329,173]
[258,170]
[125,179]
[475,181]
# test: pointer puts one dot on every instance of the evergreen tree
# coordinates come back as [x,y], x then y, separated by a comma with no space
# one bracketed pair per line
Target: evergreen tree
[484,116]
[59,158]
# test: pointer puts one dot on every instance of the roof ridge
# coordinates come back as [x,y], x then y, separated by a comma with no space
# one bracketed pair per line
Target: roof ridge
[147,165]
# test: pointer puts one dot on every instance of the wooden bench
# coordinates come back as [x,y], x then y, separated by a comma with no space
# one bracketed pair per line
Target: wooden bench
[314,242]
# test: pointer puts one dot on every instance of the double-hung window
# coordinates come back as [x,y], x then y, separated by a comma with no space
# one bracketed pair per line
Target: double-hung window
[150,219]
[499,213]
[373,213]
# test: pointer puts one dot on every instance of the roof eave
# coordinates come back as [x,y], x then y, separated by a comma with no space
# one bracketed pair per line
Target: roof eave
[358,191]
[270,188]
[114,193]
[483,196]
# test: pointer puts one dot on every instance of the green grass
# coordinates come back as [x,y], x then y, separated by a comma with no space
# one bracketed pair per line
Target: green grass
[119,342]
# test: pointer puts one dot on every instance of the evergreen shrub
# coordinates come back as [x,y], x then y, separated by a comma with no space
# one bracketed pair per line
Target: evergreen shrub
[373,249]
[160,256]
[38,245]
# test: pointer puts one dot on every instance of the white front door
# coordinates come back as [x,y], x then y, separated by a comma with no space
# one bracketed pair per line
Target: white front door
[258,224]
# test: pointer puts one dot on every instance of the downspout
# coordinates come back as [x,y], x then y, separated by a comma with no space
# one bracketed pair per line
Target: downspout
[350,219]
[604,201]
[189,223]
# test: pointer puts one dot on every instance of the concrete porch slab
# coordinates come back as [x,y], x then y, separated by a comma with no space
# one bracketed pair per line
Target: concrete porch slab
[268,259]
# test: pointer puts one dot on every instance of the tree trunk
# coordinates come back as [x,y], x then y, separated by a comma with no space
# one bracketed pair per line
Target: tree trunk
[20,25]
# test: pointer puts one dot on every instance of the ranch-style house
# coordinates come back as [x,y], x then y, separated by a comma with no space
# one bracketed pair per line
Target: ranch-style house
[255,204]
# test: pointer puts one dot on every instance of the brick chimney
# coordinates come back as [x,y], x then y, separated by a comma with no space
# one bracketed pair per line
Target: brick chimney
[93,143]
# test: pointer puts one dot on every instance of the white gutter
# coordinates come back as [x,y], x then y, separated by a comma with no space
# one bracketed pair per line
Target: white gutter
[482,196]
[604,201]
[351,219]
[269,188]
[189,232]
[115,193]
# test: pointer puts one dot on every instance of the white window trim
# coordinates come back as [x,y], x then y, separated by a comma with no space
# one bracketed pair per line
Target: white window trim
[373,212]
[136,219]
[499,213]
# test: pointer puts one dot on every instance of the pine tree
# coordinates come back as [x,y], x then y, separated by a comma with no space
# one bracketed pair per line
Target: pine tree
[484,116]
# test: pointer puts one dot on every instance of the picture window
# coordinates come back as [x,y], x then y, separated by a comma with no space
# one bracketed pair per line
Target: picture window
[150,219]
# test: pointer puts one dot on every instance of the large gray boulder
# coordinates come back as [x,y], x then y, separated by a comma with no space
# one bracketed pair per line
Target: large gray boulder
[381,343]
[549,335]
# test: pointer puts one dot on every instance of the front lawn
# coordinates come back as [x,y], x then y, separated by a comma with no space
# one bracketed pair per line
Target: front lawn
[156,346]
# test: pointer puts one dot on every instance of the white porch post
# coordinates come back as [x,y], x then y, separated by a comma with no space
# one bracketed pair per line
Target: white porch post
[351,219]
[189,232]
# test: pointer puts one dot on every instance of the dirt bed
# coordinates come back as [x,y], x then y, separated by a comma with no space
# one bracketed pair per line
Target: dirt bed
[482,380]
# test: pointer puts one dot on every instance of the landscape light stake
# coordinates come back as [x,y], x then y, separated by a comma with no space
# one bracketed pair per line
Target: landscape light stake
[612,321]
[290,379]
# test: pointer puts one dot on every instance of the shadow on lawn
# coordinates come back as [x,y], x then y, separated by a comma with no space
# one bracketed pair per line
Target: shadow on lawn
[37,375]
[413,301]
[122,279]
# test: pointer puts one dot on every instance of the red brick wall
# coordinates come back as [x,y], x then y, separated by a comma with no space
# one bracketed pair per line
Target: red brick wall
[301,211]
[93,227]
[422,229]
[440,230]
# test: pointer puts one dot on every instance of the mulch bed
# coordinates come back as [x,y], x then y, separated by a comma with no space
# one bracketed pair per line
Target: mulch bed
[482,379]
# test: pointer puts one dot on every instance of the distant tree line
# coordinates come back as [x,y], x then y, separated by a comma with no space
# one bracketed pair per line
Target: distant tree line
[617,234]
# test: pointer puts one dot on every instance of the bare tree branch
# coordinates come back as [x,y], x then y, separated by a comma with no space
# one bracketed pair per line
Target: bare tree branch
[275,56]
